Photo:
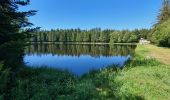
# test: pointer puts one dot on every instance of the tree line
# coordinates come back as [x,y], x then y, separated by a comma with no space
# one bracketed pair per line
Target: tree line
[92,35]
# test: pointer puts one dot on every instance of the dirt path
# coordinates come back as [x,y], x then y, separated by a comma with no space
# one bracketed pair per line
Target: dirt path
[160,53]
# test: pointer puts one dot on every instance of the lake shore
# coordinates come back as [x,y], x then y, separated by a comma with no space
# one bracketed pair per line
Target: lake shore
[85,43]
[142,78]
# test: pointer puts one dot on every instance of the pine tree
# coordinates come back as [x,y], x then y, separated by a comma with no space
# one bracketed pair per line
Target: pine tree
[13,38]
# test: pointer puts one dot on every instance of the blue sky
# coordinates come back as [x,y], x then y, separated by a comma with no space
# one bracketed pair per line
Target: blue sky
[86,14]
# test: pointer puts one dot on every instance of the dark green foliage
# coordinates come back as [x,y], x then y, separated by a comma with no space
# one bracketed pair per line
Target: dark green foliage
[4,77]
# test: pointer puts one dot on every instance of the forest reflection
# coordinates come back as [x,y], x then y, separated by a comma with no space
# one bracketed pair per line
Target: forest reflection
[94,50]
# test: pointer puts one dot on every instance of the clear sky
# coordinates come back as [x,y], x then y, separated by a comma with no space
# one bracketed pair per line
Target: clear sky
[86,14]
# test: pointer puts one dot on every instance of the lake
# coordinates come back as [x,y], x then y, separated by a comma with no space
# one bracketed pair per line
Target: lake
[77,58]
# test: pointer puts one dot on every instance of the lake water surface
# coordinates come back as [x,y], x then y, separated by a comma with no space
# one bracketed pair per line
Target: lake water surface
[78,59]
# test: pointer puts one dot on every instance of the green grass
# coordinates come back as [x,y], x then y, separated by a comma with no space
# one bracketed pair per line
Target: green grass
[141,79]
[151,82]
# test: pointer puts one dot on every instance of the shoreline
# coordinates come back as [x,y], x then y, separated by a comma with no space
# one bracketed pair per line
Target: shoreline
[84,43]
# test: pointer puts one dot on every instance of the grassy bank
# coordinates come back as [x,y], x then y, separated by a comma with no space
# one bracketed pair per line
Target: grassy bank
[142,78]
[160,53]
[146,78]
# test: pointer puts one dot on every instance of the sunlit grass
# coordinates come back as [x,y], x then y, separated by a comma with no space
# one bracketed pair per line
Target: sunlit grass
[145,79]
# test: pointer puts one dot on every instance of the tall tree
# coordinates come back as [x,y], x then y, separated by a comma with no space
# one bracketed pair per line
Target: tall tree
[14,33]
[165,11]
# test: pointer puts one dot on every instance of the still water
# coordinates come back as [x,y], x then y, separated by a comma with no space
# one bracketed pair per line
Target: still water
[78,59]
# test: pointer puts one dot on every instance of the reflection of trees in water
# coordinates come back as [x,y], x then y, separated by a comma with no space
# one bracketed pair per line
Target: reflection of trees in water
[77,50]
[122,49]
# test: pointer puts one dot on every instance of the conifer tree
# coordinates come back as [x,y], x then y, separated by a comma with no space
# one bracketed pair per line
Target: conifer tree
[14,33]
